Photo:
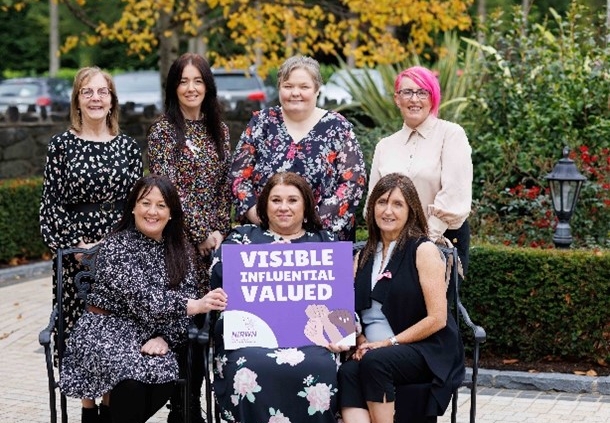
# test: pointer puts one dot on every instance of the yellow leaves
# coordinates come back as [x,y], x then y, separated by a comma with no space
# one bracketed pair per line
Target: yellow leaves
[69,44]
[92,40]
[270,30]
[591,373]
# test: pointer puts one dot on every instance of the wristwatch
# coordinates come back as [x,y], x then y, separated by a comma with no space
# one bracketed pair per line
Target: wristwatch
[393,340]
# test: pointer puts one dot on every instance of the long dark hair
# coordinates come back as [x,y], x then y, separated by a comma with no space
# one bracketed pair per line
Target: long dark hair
[177,252]
[312,220]
[416,225]
[210,108]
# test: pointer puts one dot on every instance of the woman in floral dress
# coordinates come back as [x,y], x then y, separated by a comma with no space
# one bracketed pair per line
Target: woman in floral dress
[299,137]
[137,310]
[190,144]
[89,171]
[276,385]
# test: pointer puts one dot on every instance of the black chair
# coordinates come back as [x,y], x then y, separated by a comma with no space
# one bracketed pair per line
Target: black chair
[83,282]
[202,335]
[411,399]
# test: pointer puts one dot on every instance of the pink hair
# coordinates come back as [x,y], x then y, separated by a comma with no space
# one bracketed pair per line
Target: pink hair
[423,78]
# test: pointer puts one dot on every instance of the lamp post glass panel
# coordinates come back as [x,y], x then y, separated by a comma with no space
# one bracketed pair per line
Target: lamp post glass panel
[565,181]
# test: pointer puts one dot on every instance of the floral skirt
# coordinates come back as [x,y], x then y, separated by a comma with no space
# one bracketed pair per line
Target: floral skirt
[284,385]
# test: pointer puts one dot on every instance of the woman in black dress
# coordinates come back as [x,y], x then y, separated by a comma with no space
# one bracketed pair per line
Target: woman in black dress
[89,171]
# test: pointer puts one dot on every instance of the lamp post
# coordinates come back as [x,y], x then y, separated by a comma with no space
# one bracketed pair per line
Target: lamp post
[565,181]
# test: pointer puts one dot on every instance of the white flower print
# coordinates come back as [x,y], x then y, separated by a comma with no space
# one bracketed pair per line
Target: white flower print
[245,385]
[318,395]
[221,362]
[277,417]
[290,356]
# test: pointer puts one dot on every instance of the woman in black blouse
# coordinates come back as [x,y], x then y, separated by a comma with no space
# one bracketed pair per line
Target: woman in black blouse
[137,310]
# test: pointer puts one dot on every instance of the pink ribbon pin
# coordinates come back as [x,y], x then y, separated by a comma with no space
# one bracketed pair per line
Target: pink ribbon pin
[386,274]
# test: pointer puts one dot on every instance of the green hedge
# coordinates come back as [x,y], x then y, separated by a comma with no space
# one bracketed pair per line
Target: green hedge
[19,228]
[538,303]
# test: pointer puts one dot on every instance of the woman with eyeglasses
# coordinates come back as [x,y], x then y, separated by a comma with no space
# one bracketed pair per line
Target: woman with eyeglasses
[89,171]
[434,154]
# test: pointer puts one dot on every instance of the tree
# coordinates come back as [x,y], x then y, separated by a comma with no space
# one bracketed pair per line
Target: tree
[264,32]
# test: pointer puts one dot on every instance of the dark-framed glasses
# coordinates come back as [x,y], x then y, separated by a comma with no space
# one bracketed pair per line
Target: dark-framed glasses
[88,92]
[407,93]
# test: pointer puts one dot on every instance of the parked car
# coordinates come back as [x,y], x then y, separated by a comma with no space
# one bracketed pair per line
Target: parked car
[139,89]
[240,85]
[32,94]
[336,90]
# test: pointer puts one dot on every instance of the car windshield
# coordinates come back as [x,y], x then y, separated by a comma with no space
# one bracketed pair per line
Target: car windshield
[341,78]
[135,85]
[236,82]
[19,90]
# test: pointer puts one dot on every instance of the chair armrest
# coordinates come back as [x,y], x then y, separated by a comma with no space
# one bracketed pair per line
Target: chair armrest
[44,337]
[479,333]
[200,335]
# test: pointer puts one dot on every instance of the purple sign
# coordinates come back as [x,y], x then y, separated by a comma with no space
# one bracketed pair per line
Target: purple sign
[288,295]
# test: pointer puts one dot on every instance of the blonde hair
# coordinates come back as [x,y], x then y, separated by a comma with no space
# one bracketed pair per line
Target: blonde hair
[82,77]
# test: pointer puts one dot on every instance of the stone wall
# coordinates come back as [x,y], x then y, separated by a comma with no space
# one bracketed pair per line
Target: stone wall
[24,139]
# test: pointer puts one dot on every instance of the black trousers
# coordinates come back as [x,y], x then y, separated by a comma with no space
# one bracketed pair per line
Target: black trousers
[132,401]
[460,238]
[374,376]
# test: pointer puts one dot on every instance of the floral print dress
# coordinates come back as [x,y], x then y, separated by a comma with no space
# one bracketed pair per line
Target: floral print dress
[131,283]
[283,385]
[328,157]
[80,171]
[199,174]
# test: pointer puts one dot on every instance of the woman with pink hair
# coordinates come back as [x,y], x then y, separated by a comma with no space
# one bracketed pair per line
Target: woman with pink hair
[434,154]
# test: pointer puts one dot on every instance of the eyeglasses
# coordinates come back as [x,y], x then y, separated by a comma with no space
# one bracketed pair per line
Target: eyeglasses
[88,92]
[407,94]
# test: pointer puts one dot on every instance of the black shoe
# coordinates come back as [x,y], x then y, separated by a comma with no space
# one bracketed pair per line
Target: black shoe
[89,415]
[196,416]
[105,414]
[176,416]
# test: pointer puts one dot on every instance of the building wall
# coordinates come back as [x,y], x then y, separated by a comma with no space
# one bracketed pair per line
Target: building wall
[23,141]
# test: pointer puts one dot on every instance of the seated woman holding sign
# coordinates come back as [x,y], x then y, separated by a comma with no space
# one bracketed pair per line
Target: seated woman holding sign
[409,335]
[257,384]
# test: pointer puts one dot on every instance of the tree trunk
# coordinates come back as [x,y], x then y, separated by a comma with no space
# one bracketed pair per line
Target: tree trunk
[168,47]
[53,38]
[482,16]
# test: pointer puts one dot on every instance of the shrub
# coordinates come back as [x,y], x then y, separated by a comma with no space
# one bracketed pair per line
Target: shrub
[542,87]
[541,303]
[19,227]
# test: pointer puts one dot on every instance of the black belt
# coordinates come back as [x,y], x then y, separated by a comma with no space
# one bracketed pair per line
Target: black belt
[95,207]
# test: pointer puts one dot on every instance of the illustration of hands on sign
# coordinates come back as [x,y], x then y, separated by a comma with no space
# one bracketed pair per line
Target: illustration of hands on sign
[330,327]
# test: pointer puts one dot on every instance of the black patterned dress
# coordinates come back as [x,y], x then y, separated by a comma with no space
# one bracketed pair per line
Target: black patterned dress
[131,284]
[279,385]
[79,171]
[201,178]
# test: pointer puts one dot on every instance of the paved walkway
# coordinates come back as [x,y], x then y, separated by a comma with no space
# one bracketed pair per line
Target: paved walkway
[24,310]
